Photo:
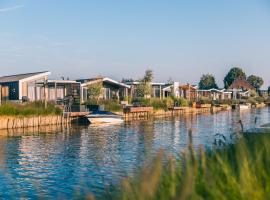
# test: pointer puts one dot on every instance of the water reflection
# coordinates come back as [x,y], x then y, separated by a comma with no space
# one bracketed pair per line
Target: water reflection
[59,161]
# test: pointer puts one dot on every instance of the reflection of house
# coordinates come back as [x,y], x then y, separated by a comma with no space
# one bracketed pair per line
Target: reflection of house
[214,94]
[240,88]
[188,92]
[17,87]
[111,89]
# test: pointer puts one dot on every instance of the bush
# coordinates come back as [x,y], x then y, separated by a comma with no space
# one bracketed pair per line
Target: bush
[141,101]
[259,99]
[110,104]
[180,101]
[27,109]
[205,100]
[159,103]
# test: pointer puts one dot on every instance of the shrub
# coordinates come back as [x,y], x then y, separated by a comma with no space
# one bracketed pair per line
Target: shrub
[141,101]
[205,100]
[180,101]
[251,100]
[159,103]
[259,99]
[110,104]
[32,108]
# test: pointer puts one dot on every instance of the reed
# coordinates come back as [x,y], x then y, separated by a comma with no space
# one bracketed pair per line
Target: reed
[28,109]
[237,171]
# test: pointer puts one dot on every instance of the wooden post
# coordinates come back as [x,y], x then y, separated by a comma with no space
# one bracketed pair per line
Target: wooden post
[45,94]
[0,95]
[160,92]
[55,91]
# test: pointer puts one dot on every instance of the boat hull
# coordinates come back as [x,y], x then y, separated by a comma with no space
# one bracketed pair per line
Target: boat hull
[102,119]
[244,107]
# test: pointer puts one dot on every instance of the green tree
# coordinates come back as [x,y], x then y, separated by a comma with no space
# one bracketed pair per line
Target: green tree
[255,81]
[144,89]
[233,74]
[207,82]
[149,76]
[94,91]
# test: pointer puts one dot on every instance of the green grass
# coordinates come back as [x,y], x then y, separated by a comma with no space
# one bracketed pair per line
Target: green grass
[161,104]
[28,109]
[110,104]
[239,171]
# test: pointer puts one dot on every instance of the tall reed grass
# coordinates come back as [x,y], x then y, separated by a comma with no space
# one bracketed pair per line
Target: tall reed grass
[27,109]
[237,171]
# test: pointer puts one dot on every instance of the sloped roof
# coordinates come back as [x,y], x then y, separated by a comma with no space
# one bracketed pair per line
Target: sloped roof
[138,82]
[105,79]
[17,77]
[241,84]
[188,87]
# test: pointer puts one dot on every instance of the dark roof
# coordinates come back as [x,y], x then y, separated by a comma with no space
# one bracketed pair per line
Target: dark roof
[17,77]
[241,84]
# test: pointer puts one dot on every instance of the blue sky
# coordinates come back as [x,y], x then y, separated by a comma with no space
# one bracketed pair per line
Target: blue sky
[177,39]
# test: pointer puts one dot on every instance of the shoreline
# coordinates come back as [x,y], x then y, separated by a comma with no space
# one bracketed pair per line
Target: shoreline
[22,122]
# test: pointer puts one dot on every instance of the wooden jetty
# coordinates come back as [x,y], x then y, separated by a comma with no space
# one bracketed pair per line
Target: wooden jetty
[178,110]
[137,112]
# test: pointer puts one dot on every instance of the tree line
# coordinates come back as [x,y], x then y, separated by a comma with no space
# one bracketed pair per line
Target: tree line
[208,81]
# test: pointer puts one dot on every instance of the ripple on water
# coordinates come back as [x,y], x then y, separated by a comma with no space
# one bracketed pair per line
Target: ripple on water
[90,159]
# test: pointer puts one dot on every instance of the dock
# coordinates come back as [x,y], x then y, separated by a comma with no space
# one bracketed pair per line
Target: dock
[137,112]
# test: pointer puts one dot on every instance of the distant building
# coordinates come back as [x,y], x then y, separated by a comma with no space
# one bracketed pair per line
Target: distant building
[20,86]
[63,91]
[111,89]
[215,94]
[189,92]
[240,88]
[36,86]
[264,93]
[159,90]
[171,90]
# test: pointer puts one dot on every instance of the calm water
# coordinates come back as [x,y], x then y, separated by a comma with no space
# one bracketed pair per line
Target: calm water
[68,160]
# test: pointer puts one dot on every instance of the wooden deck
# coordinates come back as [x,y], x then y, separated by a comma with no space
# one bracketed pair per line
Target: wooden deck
[137,112]
[75,114]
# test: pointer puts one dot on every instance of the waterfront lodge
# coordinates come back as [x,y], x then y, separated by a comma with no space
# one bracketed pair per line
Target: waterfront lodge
[37,86]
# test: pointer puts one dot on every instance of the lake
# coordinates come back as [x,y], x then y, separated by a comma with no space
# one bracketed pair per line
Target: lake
[64,162]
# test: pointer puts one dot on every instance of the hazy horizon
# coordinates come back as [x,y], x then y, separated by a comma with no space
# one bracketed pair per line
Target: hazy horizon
[180,40]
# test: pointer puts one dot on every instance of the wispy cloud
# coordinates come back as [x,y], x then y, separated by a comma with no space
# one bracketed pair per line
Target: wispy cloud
[7,9]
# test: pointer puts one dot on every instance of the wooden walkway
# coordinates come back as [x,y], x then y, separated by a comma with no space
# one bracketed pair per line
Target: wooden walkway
[137,113]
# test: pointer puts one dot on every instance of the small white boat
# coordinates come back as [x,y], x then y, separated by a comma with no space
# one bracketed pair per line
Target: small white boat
[104,117]
[244,107]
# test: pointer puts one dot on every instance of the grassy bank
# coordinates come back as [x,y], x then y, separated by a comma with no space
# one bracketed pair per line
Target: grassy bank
[28,109]
[156,103]
[239,171]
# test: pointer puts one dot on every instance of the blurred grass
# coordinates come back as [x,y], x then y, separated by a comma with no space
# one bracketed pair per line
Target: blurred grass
[28,109]
[237,171]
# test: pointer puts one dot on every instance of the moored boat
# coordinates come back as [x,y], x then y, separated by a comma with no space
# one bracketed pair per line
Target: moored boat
[104,117]
[244,107]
